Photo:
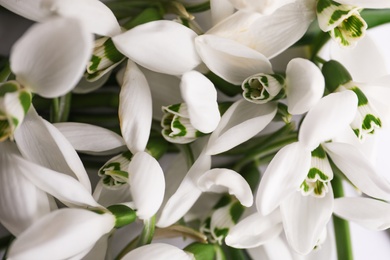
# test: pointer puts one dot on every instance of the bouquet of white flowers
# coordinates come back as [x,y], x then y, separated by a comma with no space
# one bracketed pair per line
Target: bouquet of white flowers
[233,126]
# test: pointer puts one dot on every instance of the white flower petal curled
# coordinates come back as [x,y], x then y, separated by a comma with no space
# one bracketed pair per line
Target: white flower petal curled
[147,184]
[161,46]
[225,180]
[200,96]
[304,85]
[241,121]
[50,58]
[135,109]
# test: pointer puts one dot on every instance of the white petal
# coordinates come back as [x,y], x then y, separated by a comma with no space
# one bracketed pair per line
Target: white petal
[358,170]
[161,46]
[220,9]
[61,234]
[91,139]
[364,62]
[255,230]
[93,14]
[21,202]
[42,143]
[200,95]
[231,60]
[147,184]
[304,219]
[262,6]
[370,213]
[268,34]
[51,57]
[225,180]
[328,118]
[241,121]
[283,28]
[366,4]
[165,90]
[283,176]
[99,250]
[135,109]
[84,86]
[65,188]
[186,195]
[157,251]
[30,9]
[304,85]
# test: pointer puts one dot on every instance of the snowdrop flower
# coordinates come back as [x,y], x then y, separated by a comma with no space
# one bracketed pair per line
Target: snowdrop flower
[367,118]
[304,187]
[198,115]
[304,86]
[40,61]
[26,187]
[341,18]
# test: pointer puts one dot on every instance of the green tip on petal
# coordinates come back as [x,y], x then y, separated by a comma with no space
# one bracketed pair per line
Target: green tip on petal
[335,75]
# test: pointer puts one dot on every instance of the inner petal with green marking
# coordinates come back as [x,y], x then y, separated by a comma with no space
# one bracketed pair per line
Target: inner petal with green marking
[367,119]
[114,172]
[319,176]
[343,22]
[176,125]
[261,88]
[105,57]
[15,102]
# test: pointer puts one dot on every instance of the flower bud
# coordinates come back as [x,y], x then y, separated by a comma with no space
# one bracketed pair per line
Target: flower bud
[105,57]
[343,22]
[176,124]
[261,88]
[14,104]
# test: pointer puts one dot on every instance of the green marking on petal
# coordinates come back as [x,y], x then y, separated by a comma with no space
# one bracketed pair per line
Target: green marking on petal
[370,122]
[317,174]
[111,51]
[337,14]
[114,172]
[320,188]
[319,152]
[177,125]
[221,232]
[94,63]
[323,4]
[362,99]
[261,88]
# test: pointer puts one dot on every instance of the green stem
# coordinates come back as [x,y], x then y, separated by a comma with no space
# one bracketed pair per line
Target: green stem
[341,226]
[60,108]
[148,232]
